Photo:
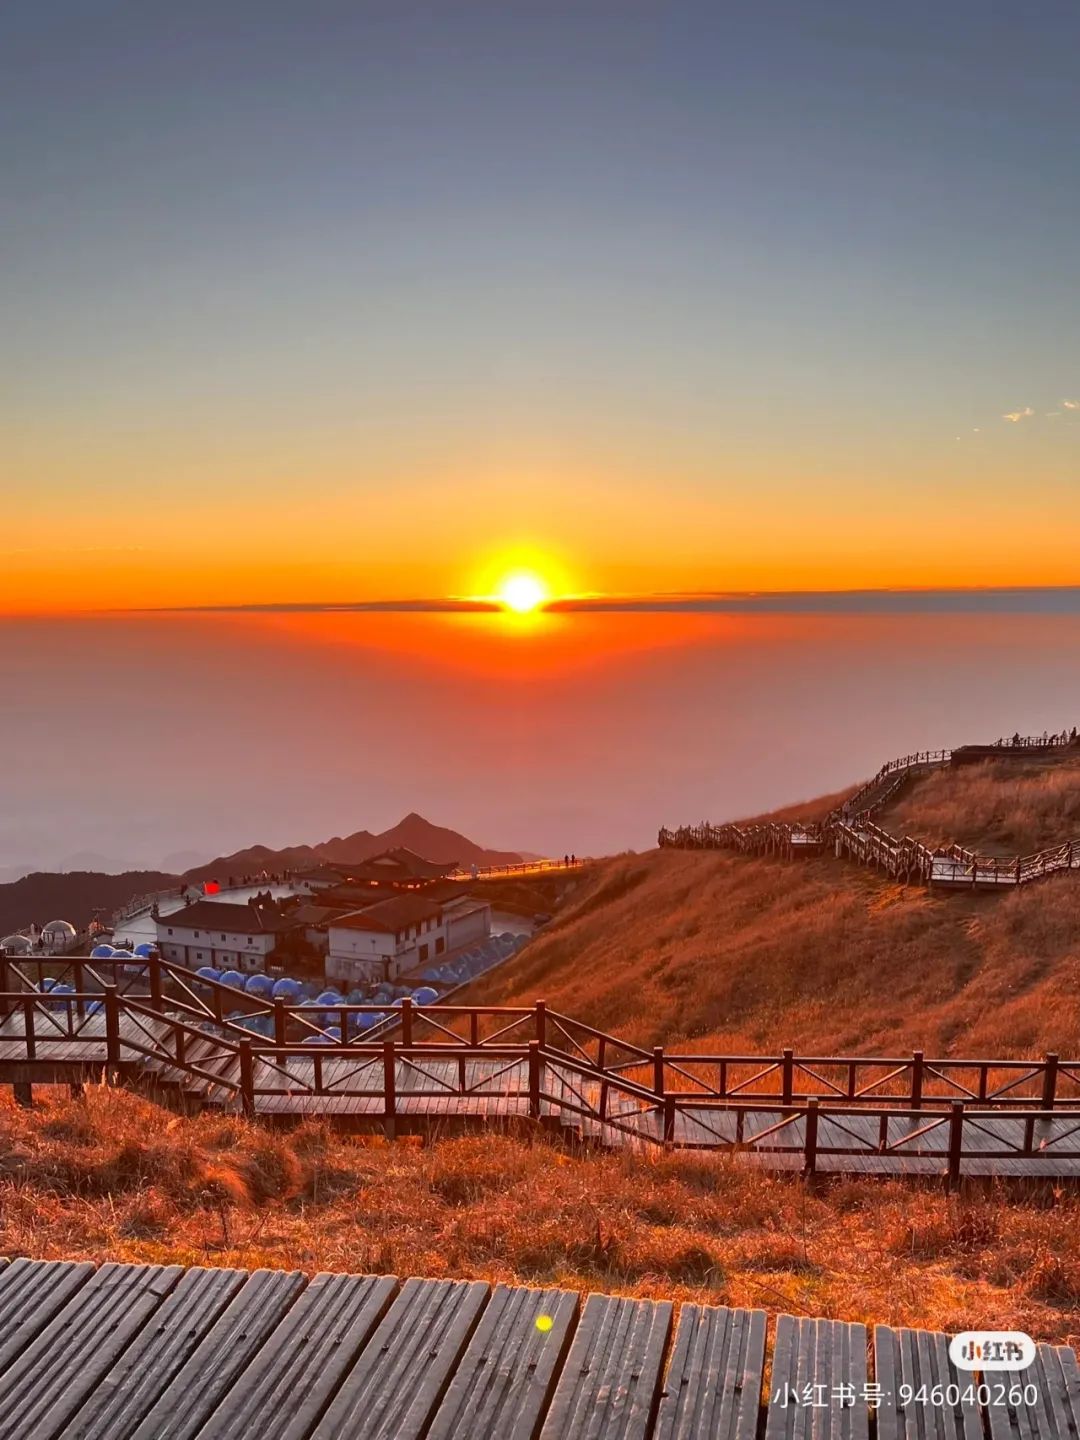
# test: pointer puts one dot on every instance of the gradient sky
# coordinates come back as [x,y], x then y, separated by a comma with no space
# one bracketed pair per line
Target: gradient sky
[332,300]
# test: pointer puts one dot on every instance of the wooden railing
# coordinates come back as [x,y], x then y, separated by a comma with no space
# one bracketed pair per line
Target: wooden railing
[813,1107]
[851,829]
[143,1007]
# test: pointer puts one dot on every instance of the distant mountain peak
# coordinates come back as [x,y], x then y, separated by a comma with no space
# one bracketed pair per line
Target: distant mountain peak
[413,832]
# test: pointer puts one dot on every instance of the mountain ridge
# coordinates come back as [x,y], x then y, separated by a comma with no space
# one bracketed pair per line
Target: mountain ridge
[76,895]
[413,832]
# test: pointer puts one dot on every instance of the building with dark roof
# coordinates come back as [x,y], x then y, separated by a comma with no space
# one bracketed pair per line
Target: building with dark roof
[396,936]
[401,868]
[221,933]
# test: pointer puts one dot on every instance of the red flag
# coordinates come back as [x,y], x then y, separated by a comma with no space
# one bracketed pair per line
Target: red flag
[210,887]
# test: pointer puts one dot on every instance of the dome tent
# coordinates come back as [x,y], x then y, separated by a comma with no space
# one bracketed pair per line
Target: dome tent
[58,934]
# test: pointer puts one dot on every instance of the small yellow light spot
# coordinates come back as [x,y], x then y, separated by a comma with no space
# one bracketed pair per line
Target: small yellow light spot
[544,1323]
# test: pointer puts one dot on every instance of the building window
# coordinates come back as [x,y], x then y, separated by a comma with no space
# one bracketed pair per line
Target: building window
[198,954]
[423,952]
[170,929]
[196,934]
[440,945]
[223,935]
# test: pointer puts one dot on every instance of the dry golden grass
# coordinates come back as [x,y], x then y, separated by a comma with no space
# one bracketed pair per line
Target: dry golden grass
[113,1177]
[700,951]
[1002,807]
[726,953]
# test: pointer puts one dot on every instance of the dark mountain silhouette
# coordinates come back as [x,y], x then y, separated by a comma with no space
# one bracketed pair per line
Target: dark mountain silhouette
[74,895]
[433,842]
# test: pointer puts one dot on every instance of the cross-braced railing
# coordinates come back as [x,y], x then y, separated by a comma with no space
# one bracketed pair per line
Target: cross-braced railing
[156,1023]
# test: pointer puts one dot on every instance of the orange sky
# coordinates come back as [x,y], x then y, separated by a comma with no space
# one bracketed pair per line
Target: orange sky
[184,544]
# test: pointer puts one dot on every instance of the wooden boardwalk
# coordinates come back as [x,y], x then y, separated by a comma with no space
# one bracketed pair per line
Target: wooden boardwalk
[851,829]
[440,1067]
[153,1352]
[1019,1120]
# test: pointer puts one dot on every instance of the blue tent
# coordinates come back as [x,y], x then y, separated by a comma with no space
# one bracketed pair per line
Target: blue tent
[287,989]
[234,979]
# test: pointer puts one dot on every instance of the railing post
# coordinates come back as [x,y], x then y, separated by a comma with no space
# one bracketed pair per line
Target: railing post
[28,1027]
[540,1021]
[658,1070]
[406,1020]
[956,1142]
[669,1119]
[1049,1081]
[534,1079]
[247,1078]
[389,1087]
[112,1028]
[916,1079]
[787,1071]
[154,962]
[5,981]
[810,1164]
[281,1024]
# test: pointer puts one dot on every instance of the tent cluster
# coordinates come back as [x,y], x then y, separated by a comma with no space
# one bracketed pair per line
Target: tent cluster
[323,1003]
[475,962]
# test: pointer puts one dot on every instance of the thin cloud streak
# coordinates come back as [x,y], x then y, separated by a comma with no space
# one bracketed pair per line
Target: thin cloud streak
[1060,600]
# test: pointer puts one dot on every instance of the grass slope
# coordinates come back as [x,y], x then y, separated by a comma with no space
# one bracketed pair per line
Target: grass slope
[708,950]
[1002,808]
[110,1177]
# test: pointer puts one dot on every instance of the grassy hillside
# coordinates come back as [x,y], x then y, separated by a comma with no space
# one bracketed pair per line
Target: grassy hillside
[1002,808]
[110,1178]
[712,950]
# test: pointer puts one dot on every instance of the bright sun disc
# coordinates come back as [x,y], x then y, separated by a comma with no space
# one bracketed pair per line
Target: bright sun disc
[522,593]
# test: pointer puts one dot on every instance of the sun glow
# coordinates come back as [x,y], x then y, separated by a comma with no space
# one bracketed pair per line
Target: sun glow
[523,592]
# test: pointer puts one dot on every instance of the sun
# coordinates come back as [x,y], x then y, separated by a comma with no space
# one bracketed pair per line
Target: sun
[522,592]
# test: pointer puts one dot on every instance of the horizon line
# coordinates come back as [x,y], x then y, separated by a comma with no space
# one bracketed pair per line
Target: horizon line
[1021,599]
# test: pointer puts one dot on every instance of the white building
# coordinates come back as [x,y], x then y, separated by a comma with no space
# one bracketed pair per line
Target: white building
[386,939]
[405,933]
[227,936]
[468,922]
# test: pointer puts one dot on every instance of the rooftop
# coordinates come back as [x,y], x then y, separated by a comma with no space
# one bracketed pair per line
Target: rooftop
[390,916]
[400,864]
[225,916]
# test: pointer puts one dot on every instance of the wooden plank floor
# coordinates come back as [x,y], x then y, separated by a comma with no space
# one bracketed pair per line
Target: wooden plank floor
[130,1352]
[714,1380]
[819,1381]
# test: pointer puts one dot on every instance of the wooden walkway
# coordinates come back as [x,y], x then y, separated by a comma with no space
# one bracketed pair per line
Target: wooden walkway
[153,1352]
[439,1067]
[1001,1132]
[851,830]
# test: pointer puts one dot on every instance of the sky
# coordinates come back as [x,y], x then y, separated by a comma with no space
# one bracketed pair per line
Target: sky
[132,739]
[347,301]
